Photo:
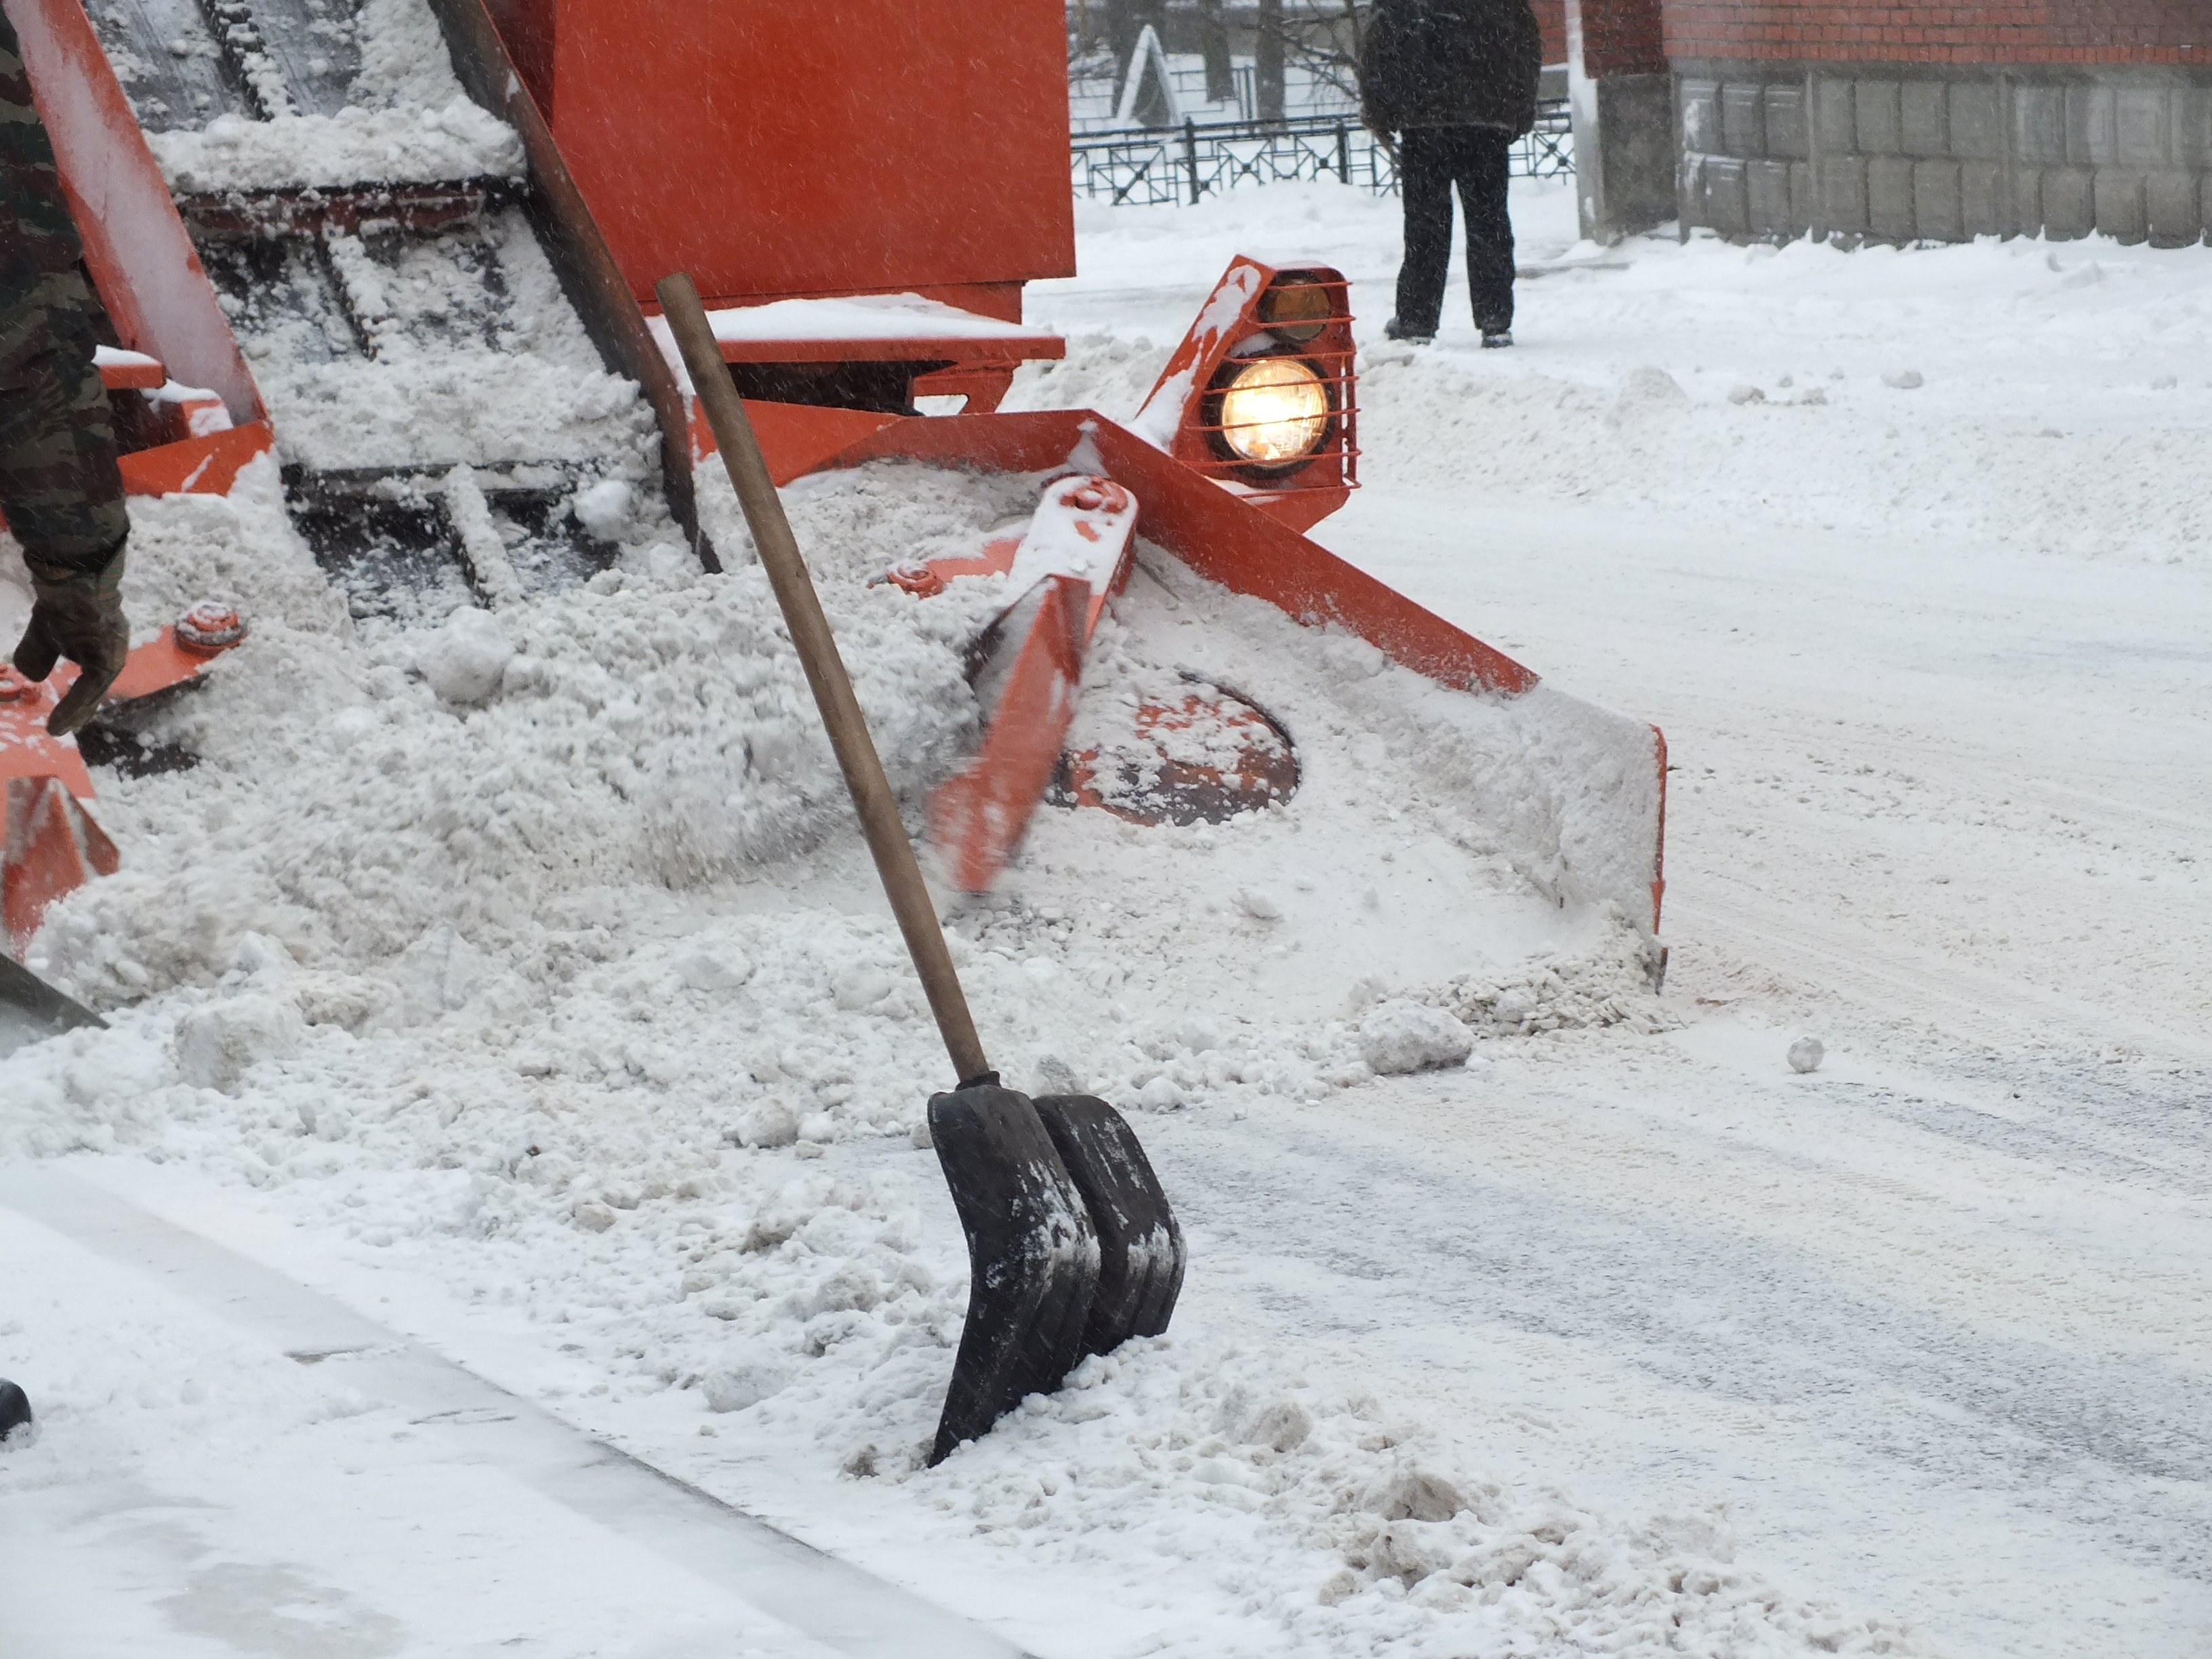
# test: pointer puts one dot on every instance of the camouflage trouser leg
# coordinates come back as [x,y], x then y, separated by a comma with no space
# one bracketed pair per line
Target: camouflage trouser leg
[60,489]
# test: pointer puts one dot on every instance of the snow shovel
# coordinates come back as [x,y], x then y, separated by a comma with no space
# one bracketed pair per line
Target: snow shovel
[1056,1206]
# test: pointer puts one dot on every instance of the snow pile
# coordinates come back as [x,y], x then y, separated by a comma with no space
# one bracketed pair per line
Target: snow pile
[1335,1525]
[1429,826]
[645,731]
[406,121]
[1400,1037]
[1610,984]
[572,833]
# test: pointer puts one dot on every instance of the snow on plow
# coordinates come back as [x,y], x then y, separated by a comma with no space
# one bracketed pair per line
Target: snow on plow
[1248,438]
[1573,795]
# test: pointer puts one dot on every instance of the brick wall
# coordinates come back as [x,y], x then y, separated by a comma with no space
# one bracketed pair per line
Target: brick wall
[1552,20]
[1623,37]
[2047,32]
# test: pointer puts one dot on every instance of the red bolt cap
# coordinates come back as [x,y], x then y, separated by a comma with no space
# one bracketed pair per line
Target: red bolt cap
[207,627]
[913,577]
[1095,495]
[14,688]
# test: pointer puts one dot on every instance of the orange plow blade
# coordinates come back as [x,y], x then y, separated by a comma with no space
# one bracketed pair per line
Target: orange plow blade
[980,815]
[53,847]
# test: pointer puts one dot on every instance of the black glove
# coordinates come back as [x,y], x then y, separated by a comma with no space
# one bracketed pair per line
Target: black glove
[79,616]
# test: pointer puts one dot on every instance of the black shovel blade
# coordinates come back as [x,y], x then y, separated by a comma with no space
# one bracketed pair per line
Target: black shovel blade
[31,1010]
[1140,1248]
[1033,1259]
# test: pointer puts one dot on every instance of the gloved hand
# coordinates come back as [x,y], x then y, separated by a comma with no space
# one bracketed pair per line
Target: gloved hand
[78,615]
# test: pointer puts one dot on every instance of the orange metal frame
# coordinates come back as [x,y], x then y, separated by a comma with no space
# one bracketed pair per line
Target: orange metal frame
[49,847]
[982,813]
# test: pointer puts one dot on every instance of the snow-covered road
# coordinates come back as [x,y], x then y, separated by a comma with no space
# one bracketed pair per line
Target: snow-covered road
[1936,1316]
[1933,1320]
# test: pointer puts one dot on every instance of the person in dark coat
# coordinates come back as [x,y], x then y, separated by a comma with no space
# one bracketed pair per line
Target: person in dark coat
[1452,83]
[61,489]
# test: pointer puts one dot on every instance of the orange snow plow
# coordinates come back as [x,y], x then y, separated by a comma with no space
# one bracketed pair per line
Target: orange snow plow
[1582,810]
[861,199]
[860,192]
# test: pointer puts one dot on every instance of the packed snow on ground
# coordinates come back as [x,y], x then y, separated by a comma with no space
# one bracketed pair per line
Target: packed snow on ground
[557,1020]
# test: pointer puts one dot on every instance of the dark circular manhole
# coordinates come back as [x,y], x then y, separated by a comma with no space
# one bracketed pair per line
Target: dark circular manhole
[1202,757]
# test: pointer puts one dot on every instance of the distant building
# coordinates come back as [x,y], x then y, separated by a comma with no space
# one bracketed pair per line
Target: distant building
[1895,121]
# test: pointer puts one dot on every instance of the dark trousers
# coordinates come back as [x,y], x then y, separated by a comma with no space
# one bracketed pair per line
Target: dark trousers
[1431,160]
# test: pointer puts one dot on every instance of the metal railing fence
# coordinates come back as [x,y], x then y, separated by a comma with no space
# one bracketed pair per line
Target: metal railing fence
[1152,167]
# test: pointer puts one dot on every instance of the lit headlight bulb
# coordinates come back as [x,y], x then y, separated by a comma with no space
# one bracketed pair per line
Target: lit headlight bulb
[1274,410]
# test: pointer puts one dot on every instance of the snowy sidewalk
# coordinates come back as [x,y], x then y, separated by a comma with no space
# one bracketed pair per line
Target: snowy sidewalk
[290,1478]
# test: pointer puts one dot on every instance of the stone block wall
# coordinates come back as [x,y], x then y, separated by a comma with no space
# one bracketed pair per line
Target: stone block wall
[1770,149]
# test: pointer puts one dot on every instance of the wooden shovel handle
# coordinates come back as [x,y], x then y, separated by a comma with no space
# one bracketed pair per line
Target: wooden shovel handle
[825,672]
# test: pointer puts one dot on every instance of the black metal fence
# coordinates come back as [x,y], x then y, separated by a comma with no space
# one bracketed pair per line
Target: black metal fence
[1151,167]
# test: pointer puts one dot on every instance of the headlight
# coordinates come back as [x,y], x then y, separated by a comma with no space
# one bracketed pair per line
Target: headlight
[1274,410]
[1296,309]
